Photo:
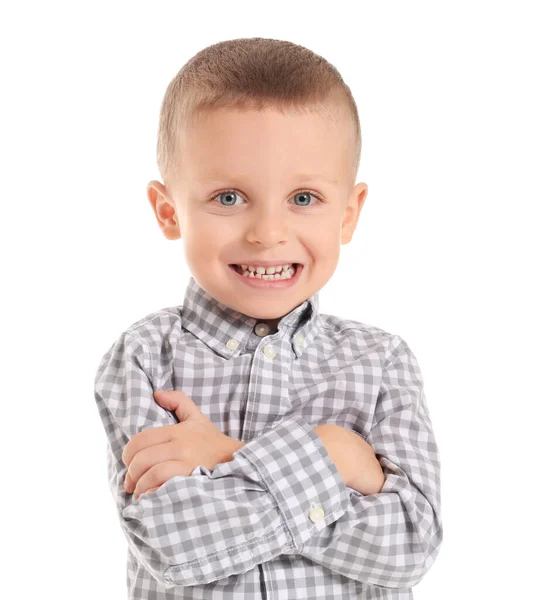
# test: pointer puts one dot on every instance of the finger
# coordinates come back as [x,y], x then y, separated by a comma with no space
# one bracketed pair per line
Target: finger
[145,459]
[178,402]
[148,437]
[150,490]
[159,474]
[169,399]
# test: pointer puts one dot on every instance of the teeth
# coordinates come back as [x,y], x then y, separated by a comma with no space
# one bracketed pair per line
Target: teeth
[287,271]
[264,271]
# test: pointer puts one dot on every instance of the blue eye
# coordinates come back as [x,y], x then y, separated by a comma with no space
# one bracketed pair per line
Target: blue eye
[231,195]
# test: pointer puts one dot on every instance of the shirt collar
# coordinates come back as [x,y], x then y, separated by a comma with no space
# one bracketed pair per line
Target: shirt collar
[228,332]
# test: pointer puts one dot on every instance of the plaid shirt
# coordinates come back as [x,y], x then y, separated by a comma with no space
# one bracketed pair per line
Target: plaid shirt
[276,522]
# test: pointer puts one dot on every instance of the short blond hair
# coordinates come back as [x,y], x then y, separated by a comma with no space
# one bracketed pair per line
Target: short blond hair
[252,73]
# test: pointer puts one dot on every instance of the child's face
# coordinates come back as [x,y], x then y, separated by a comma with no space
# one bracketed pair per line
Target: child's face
[267,159]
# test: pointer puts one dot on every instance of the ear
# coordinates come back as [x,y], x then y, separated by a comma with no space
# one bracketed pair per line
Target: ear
[352,211]
[164,210]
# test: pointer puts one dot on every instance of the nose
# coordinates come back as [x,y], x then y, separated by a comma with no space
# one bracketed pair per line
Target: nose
[268,227]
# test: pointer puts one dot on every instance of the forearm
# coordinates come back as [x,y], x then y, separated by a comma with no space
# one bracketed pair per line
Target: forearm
[354,458]
[369,476]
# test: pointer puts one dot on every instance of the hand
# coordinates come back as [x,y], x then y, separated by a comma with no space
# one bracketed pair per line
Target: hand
[354,458]
[155,455]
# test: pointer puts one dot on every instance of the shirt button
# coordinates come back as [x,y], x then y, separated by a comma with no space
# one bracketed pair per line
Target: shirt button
[300,340]
[232,344]
[269,352]
[262,329]
[316,514]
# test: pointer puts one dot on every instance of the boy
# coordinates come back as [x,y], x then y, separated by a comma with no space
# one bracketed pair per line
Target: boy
[257,447]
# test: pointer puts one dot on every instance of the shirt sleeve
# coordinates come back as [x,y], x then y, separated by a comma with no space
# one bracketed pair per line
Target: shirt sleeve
[391,539]
[279,490]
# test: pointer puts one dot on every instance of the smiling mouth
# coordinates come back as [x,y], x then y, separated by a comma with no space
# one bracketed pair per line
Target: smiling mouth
[239,270]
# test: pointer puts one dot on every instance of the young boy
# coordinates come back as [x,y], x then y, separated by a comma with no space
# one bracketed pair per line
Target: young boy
[267,450]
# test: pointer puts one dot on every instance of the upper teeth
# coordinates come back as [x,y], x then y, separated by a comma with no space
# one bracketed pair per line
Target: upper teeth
[264,271]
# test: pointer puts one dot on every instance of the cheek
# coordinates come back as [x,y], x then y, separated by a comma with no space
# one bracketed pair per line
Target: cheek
[324,239]
[203,229]
[206,247]
[214,226]
[202,247]
[326,255]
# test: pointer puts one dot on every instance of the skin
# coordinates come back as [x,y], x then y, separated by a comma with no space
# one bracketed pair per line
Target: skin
[267,158]
[261,155]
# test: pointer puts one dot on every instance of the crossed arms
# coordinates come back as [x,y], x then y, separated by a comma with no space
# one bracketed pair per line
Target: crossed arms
[281,493]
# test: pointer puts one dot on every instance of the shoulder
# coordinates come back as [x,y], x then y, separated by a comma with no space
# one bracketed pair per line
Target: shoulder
[363,338]
[146,337]
[157,325]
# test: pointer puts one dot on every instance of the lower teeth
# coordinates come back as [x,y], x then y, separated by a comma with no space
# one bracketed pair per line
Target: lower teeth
[288,274]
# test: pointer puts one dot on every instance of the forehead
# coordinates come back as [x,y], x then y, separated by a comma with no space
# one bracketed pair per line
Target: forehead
[223,177]
[306,146]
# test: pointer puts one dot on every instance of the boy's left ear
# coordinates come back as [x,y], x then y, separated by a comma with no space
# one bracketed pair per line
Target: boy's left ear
[352,211]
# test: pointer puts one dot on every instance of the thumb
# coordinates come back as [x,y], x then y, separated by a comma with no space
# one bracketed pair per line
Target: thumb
[178,402]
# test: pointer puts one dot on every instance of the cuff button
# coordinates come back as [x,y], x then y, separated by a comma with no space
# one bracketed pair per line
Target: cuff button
[316,514]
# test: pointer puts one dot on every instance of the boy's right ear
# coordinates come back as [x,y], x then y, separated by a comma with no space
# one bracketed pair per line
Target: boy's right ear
[164,210]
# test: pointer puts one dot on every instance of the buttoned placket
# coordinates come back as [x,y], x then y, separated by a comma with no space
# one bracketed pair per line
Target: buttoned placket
[316,512]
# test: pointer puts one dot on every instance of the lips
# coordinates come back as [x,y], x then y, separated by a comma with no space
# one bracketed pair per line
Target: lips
[266,266]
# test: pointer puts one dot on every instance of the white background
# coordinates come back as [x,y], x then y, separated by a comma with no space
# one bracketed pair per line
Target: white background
[443,255]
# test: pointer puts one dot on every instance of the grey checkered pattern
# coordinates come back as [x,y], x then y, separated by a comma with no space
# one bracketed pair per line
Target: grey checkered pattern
[244,529]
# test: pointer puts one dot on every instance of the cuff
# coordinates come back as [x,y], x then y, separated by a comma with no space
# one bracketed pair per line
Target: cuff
[298,471]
